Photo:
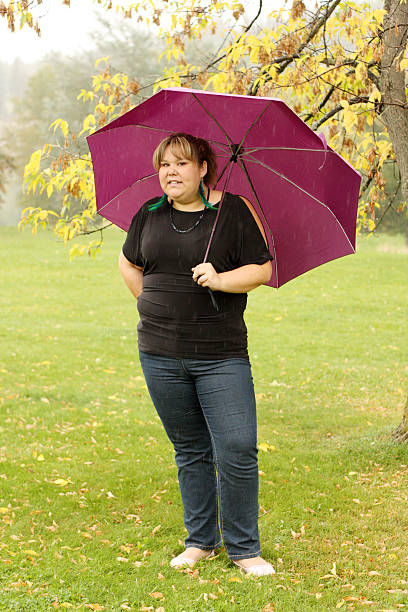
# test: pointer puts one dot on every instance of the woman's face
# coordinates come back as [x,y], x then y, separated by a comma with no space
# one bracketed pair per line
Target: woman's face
[180,177]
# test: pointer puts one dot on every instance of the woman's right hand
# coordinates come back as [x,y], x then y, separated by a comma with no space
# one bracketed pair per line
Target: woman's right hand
[132,275]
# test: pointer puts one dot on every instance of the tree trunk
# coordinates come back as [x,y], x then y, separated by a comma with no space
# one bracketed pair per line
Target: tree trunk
[395,113]
[392,84]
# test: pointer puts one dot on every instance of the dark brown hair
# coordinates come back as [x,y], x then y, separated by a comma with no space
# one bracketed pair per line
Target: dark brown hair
[189,147]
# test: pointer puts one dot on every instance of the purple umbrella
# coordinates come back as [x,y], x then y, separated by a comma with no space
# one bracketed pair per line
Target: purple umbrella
[304,193]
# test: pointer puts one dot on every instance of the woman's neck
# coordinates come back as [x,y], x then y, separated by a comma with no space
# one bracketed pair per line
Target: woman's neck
[188,206]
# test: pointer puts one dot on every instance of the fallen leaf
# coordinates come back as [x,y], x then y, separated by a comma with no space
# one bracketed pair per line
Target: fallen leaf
[265,447]
[156,595]
[61,482]
[122,559]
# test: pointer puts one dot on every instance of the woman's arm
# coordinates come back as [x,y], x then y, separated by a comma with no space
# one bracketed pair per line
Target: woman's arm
[240,280]
[132,275]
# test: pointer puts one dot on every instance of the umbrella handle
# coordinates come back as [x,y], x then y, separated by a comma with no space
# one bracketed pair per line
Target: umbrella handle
[214,303]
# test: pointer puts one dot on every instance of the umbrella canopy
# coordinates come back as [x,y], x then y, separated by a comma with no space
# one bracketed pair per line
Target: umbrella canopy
[304,193]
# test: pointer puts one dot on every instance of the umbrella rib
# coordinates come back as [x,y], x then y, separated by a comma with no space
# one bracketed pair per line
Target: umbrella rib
[255,149]
[285,178]
[213,118]
[224,191]
[125,189]
[242,164]
[252,125]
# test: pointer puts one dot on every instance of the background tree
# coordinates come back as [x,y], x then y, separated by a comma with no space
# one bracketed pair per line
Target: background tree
[341,66]
[6,165]
[51,91]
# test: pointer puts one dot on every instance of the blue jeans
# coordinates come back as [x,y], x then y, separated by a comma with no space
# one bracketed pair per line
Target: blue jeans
[208,410]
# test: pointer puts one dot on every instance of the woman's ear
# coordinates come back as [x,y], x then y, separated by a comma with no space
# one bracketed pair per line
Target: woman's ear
[203,169]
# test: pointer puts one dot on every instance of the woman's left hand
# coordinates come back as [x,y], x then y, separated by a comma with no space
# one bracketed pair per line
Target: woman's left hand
[205,275]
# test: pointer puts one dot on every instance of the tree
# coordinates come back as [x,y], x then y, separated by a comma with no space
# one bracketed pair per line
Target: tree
[51,91]
[341,66]
[6,165]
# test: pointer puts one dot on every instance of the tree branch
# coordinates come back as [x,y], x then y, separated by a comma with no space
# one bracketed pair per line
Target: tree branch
[285,61]
[239,38]
[315,126]
[100,229]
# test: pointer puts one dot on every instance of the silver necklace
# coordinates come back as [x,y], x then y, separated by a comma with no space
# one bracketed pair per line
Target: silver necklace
[189,229]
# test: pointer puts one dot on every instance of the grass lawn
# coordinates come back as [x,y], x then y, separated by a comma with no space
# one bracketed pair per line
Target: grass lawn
[90,511]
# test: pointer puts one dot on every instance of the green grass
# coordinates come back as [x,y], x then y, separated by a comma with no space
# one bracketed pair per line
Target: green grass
[90,512]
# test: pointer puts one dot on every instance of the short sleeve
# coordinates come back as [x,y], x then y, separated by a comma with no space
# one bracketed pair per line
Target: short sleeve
[253,249]
[131,248]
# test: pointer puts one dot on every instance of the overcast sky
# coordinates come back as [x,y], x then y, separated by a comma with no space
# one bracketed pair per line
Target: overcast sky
[62,28]
[66,29]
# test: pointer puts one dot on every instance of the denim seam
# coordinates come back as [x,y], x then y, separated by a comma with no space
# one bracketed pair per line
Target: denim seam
[219,487]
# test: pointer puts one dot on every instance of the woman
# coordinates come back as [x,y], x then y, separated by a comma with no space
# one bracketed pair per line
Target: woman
[193,345]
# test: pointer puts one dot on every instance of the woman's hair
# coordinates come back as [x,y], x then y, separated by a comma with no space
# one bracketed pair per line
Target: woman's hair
[189,147]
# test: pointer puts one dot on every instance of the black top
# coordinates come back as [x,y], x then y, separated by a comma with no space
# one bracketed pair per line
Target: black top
[177,317]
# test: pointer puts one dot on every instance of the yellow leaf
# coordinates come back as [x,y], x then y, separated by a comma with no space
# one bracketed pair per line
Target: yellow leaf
[31,552]
[350,119]
[34,163]
[101,59]
[61,482]
[156,595]
[95,606]
[378,15]
[40,458]
[4,510]
[361,72]
[263,446]
[404,64]
[235,579]
[375,96]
